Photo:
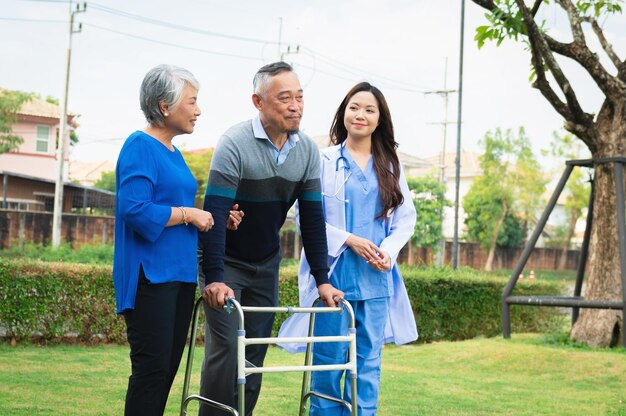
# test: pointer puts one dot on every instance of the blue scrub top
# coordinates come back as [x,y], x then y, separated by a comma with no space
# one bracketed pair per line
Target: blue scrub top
[352,274]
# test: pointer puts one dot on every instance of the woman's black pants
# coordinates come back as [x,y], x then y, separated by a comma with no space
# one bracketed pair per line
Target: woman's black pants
[157,332]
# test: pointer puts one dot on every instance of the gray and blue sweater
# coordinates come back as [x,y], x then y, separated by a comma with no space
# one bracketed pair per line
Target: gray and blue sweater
[243,172]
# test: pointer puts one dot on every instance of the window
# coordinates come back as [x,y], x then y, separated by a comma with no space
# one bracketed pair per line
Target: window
[20,206]
[43,138]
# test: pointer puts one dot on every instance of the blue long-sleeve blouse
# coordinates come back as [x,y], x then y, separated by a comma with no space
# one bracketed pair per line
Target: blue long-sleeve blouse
[150,180]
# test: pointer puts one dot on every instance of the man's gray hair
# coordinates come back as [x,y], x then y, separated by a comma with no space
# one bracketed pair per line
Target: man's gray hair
[263,75]
[164,83]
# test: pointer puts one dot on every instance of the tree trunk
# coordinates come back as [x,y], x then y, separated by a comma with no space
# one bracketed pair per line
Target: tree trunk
[574,214]
[494,239]
[409,253]
[602,327]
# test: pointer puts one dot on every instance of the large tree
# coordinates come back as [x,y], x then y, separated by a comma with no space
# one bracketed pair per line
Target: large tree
[429,200]
[566,146]
[602,130]
[10,103]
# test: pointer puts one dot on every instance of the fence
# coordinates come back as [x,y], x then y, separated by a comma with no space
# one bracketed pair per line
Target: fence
[19,226]
[16,227]
[470,255]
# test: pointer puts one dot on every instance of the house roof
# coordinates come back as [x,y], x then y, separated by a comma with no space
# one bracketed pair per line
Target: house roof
[39,108]
[470,164]
[407,160]
[50,181]
[36,107]
[87,173]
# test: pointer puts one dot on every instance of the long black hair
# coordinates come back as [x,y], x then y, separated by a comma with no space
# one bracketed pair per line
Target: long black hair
[386,163]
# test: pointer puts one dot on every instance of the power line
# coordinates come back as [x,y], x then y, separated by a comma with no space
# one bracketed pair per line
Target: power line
[331,61]
[110,140]
[19,19]
[327,60]
[359,71]
[175,45]
[175,26]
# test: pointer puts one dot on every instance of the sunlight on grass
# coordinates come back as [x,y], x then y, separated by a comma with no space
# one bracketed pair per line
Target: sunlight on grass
[527,375]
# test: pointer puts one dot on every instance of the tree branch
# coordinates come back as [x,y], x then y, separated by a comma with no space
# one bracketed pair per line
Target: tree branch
[535,8]
[613,88]
[608,48]
[542,49]
[574,21]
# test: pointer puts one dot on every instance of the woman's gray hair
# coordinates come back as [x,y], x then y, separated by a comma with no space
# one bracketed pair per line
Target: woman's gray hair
[263,75]
[164,83]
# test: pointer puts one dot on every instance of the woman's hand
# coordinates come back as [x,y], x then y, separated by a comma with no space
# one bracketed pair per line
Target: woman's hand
[202,220]
[234,218]
[364,248]
[384,262]
[374,256]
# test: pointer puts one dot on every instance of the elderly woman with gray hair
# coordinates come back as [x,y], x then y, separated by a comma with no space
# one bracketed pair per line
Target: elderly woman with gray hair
[156,231]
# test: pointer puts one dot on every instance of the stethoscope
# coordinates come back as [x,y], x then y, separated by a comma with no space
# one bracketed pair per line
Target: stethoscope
[346,167]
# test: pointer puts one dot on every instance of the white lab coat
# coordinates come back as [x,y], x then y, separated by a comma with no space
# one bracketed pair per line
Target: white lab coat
[400,327]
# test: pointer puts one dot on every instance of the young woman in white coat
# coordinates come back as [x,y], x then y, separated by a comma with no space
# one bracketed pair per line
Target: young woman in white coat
[369,217]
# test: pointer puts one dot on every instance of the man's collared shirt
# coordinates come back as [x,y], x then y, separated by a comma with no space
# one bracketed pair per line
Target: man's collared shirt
[279,156]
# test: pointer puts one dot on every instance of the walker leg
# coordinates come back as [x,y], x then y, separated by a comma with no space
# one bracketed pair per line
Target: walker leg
[353,386]
[306,376]
[192,347]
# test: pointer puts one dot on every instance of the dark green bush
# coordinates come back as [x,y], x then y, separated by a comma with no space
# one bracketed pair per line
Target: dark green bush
[454,305]
[57,299]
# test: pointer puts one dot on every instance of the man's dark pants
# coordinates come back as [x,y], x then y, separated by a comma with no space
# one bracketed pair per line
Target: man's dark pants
[254,284]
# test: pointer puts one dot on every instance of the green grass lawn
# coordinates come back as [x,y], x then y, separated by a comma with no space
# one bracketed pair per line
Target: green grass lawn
[527,375]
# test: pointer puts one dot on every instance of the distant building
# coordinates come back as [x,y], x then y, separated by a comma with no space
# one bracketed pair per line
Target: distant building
[408,162]
[469,171]
[28,174]
[38,123]
[87,173]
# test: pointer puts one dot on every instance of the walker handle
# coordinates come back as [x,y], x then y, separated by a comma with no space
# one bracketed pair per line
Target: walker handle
[230,306]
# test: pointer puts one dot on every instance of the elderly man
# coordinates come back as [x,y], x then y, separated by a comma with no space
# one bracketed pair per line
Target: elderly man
[264,165]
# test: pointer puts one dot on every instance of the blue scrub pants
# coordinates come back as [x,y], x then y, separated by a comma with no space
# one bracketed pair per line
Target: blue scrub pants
[371,317]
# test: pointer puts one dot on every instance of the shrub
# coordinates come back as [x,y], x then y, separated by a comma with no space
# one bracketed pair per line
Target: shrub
[57,299]
[459,305]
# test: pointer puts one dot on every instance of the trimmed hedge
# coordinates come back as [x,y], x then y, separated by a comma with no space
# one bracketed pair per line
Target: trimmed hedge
[49,301]
[52,301]
[465,304]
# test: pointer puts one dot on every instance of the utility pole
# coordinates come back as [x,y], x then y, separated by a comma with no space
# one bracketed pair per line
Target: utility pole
[440,256]
[58,189]
[291,50]
[455,243]
[280,38]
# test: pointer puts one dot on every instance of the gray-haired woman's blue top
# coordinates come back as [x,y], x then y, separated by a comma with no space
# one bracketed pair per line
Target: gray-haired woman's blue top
[150,180]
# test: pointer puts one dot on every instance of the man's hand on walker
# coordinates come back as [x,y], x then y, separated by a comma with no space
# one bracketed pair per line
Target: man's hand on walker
[329,295]
[216,294]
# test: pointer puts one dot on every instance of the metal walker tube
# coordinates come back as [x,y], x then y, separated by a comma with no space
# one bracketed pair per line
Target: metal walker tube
[242,342]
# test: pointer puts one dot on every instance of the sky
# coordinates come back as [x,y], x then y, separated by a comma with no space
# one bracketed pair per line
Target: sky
[408,48]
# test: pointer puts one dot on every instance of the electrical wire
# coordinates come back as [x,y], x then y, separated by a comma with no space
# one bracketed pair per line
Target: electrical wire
[326,60]
[175,26]
[231,55]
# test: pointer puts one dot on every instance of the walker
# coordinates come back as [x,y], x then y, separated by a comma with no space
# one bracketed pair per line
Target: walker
[307,368]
